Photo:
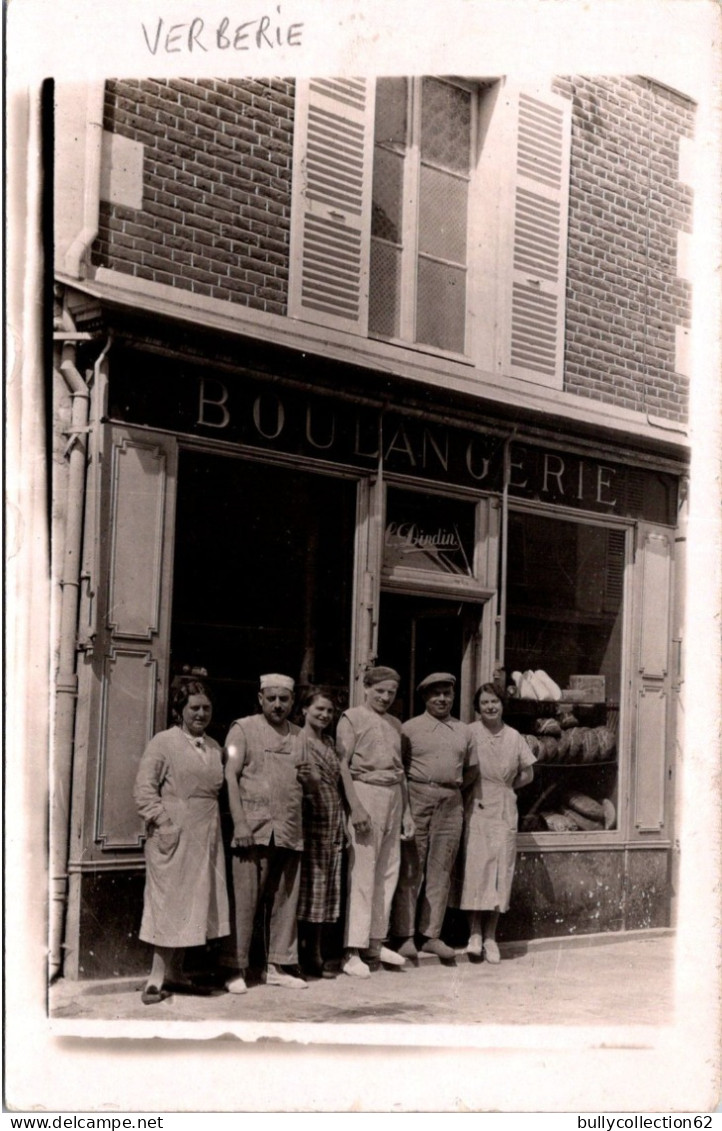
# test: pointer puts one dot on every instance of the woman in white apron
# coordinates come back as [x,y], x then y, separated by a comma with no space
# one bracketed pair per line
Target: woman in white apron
[490,822]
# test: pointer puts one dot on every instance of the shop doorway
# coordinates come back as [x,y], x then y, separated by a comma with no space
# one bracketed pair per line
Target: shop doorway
[422,634]
[263,572]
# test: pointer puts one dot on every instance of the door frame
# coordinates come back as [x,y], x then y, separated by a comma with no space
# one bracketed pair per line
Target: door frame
[370,579]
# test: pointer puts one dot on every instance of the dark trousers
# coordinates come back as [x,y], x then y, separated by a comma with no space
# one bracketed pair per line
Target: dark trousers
[427,861]
[269,878]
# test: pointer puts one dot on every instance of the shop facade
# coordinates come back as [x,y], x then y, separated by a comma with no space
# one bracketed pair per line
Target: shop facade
[258,495]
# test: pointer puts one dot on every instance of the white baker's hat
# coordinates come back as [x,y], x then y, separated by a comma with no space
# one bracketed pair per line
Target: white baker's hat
[273,679]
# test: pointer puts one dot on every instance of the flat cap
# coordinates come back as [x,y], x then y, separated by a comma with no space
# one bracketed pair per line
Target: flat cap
[379,674]
[437,677]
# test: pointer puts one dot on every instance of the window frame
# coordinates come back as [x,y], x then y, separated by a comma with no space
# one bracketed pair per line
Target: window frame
[409,249]
[619,835]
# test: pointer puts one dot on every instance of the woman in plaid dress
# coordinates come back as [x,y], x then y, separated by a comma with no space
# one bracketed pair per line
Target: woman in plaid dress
[320,898]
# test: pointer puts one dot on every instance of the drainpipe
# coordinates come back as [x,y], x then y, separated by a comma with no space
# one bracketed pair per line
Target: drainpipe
[74,260]
[66,682]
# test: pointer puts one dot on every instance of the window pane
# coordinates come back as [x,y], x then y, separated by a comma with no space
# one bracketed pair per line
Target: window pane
[441,304]
[442,215]
[391,102]
[565,587]
[387,199]
[429,532]
[445,125]
[384,290]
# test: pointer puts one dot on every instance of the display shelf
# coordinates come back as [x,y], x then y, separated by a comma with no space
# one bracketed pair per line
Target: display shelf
[547,706]
[596,777]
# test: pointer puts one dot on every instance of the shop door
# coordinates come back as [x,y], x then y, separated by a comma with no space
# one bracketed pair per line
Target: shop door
[421,634]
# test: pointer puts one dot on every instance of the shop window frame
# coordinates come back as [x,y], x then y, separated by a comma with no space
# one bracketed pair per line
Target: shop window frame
[617,837]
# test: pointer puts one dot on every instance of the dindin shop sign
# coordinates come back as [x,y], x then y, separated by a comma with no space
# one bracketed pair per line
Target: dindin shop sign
[292,421]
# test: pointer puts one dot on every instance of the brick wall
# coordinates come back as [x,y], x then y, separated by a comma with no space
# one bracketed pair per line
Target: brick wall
[217,201]
[624,299]
[217,180]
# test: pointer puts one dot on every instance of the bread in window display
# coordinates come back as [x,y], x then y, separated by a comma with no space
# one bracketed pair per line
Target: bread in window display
[548,726]
[567,720]
[576,744]
[585,824]
[545,686]
[558,822]
[533,743]
[549,747]
[607,743]
[564,745]
[535,685]
[585,806]
[610,815]
[590,745]
[578,811]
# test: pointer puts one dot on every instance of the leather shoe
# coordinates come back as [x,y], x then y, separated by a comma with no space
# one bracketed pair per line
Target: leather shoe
[185,987]
[407,949]
[440,949]
[152,995]
[318,970]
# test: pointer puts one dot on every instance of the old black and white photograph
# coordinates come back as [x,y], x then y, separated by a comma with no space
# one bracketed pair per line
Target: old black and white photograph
[363,571]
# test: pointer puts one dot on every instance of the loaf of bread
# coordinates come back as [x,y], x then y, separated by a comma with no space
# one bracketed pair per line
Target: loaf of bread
[548,726]
[584,805]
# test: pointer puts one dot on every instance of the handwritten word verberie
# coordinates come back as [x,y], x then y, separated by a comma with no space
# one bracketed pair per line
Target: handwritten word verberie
[164,38]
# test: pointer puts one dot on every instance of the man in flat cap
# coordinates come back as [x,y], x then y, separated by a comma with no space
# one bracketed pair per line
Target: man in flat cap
[266,776]
[368,741]
[439,759]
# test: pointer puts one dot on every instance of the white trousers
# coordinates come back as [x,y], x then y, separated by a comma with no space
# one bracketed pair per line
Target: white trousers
[373,865]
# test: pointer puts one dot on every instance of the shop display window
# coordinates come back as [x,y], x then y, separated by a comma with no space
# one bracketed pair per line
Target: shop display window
[262,578]
[563,667]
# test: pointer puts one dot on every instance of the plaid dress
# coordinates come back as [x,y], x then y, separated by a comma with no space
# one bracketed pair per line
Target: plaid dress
[320,898]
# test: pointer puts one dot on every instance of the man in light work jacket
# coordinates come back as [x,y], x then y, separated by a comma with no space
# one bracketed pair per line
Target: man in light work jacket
[266,777]
[439,759]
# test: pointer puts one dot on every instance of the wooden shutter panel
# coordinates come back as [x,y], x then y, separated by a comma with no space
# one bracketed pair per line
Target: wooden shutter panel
[133,630]
[533,254]
[652,677]
[331,214]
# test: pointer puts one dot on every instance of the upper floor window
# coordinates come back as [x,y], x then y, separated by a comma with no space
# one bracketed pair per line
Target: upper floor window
[423,138]
[430,212]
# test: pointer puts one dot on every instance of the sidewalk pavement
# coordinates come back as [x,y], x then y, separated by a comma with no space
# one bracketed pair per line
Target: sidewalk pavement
[622,979]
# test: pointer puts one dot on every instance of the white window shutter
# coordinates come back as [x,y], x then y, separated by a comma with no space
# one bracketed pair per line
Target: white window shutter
[534,247]
[331,211]
[652,677]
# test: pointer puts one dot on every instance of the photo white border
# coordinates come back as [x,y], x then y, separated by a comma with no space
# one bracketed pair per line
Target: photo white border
[673,1068]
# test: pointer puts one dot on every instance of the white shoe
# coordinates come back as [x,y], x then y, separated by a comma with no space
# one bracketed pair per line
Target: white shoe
[237,985]
[277,976]
[474,947]
[491,952]
[391,957]
[355,967]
